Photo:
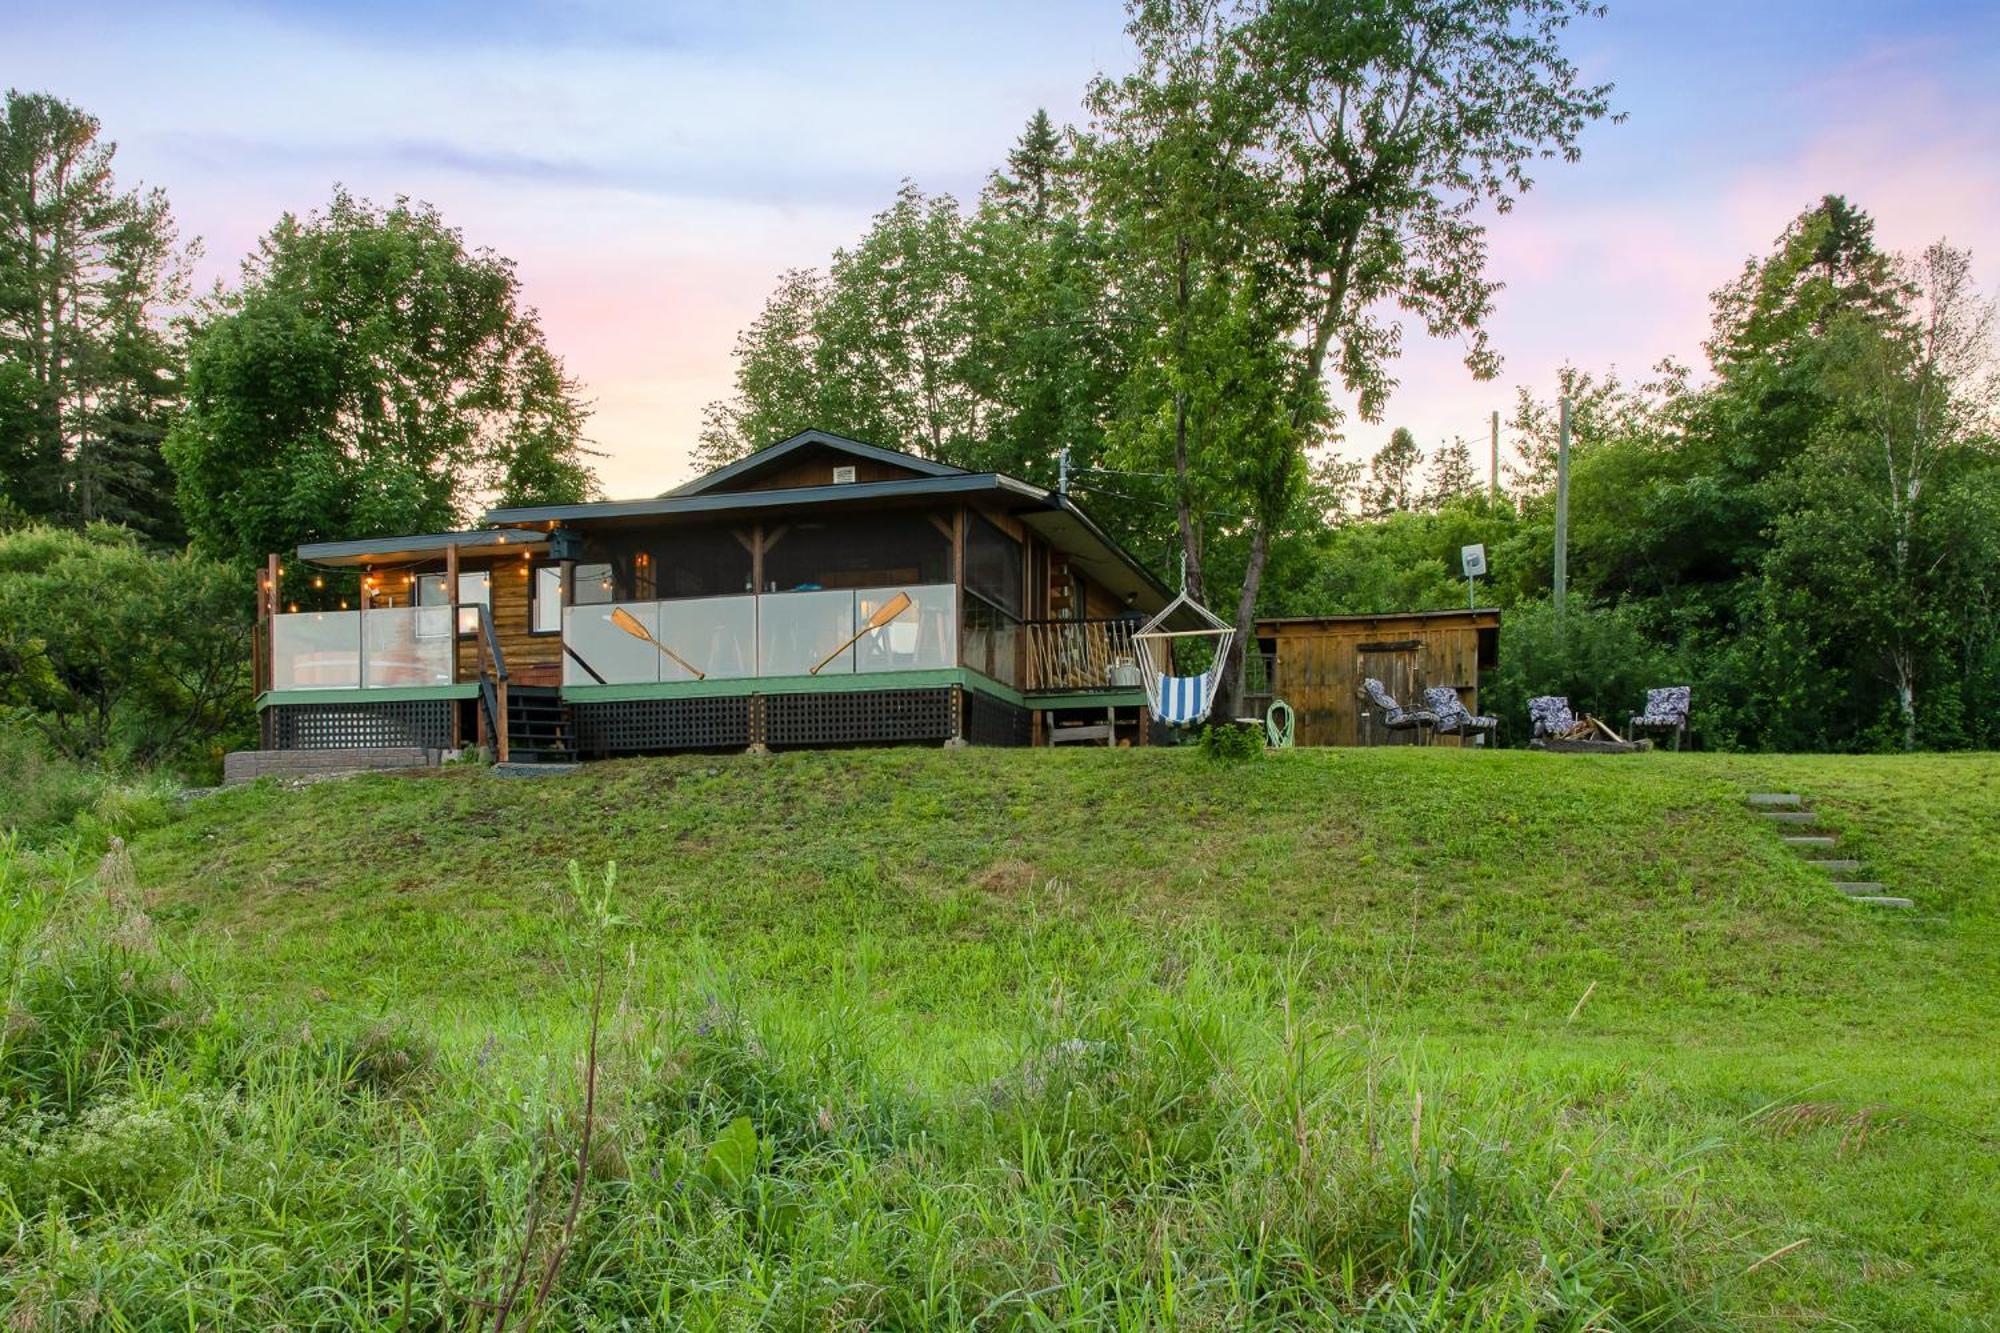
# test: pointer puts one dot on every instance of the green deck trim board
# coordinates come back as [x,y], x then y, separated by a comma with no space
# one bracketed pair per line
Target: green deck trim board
[385,695]
[1105,698]
[713,688]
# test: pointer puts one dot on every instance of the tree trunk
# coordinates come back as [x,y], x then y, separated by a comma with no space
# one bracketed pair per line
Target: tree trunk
[1906,696]
[1230,701]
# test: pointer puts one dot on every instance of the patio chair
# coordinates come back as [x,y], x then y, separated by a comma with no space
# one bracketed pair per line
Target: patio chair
[1453,717]
[1394,716]
[1666,710]
[1550,715]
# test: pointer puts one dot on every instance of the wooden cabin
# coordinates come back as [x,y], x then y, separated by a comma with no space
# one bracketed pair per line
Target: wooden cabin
[1317,664]
[821,591]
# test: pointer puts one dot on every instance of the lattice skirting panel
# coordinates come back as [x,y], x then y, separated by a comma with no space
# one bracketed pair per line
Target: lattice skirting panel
[640,725]
[354,726]
[872,717]
[994,722]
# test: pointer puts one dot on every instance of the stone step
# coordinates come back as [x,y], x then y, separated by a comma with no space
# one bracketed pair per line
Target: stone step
[1830,866]
[1789,816]
[1886,902]
[1780,799]
[1807,840]
[1860,888]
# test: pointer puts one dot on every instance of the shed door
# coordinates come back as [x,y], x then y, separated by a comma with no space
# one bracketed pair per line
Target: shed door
[1398,667]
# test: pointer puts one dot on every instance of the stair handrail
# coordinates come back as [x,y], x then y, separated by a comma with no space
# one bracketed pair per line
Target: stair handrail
[493,682]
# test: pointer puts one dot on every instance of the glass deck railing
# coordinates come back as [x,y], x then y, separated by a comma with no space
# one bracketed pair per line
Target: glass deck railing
[777,634]
[380,649]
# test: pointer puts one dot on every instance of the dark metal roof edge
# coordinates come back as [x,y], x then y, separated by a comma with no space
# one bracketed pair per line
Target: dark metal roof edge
[771,453]
[796,495]
[1069,506]
[421,541]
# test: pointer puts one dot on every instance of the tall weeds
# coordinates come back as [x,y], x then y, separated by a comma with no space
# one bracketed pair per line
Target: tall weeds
[1188,1150]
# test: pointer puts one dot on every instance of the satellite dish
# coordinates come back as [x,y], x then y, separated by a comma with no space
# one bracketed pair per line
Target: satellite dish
[1474,558]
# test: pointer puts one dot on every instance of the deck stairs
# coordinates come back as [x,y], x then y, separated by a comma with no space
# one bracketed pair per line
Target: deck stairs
[539,727]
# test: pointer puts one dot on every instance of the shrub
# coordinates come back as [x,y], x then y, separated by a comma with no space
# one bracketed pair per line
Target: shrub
[1597,656]
[115,654]
[1232,742]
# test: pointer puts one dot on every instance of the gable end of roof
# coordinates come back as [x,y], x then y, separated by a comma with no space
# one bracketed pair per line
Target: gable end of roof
[808,439]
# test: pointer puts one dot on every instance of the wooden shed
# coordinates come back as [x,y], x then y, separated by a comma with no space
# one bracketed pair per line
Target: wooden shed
[1319,662]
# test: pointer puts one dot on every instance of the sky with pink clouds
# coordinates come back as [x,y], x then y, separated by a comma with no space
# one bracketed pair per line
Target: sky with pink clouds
[652,168]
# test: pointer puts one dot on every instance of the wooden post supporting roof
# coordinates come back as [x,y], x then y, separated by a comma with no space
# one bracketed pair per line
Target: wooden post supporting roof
[451,599]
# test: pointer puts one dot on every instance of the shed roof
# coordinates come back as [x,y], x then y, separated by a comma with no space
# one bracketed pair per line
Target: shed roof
[1486,617]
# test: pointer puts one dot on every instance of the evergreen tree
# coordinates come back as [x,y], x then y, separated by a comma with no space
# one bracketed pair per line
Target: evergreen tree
[1392,475]
[1450,474]
[89,374]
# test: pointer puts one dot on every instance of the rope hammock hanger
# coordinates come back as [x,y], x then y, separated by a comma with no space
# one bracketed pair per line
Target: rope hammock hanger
[1180,700]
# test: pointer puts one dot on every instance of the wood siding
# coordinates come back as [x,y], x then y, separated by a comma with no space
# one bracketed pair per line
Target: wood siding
[817,470]
[1321,664]
[532,659]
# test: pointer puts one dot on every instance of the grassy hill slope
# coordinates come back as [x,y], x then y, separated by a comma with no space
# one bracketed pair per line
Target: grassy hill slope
[1050,1038]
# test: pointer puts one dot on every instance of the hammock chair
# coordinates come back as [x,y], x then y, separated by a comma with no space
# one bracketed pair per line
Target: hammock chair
[1180,700]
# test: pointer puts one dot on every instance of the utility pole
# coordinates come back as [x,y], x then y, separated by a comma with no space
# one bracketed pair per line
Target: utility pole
[1562,510]
[1493,474]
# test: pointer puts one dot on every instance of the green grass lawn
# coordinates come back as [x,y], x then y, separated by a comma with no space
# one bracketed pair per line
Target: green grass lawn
[1027,1039]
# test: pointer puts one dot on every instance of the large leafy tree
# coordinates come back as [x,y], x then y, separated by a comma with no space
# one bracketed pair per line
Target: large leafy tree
[1375,136]
[875,348]
[1175,168]
[89,370]
[986,339]
[1887,550]
[370,375]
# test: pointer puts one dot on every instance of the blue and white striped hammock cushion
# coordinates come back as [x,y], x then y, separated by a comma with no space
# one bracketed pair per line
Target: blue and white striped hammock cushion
[1182,699]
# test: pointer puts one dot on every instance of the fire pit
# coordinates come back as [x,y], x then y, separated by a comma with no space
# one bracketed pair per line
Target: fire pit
[1589,736]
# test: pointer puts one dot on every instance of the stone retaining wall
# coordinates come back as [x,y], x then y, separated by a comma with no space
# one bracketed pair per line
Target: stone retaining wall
[249,765]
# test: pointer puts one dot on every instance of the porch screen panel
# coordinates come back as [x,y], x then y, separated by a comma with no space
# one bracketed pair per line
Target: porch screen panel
[700,562]
[992,641]
[406,645]
[923,638]
[893,549]
[993,565]
[718,635]
[796,630]
[597,652]
[316,650]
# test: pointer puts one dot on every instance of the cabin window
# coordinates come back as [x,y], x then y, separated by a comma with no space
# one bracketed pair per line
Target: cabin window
[545,600]
[475,587]
[993,565]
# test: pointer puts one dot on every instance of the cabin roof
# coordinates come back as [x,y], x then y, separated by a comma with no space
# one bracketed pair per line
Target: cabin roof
[398,549]
[773,456]
[964,484]
[1056,518]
